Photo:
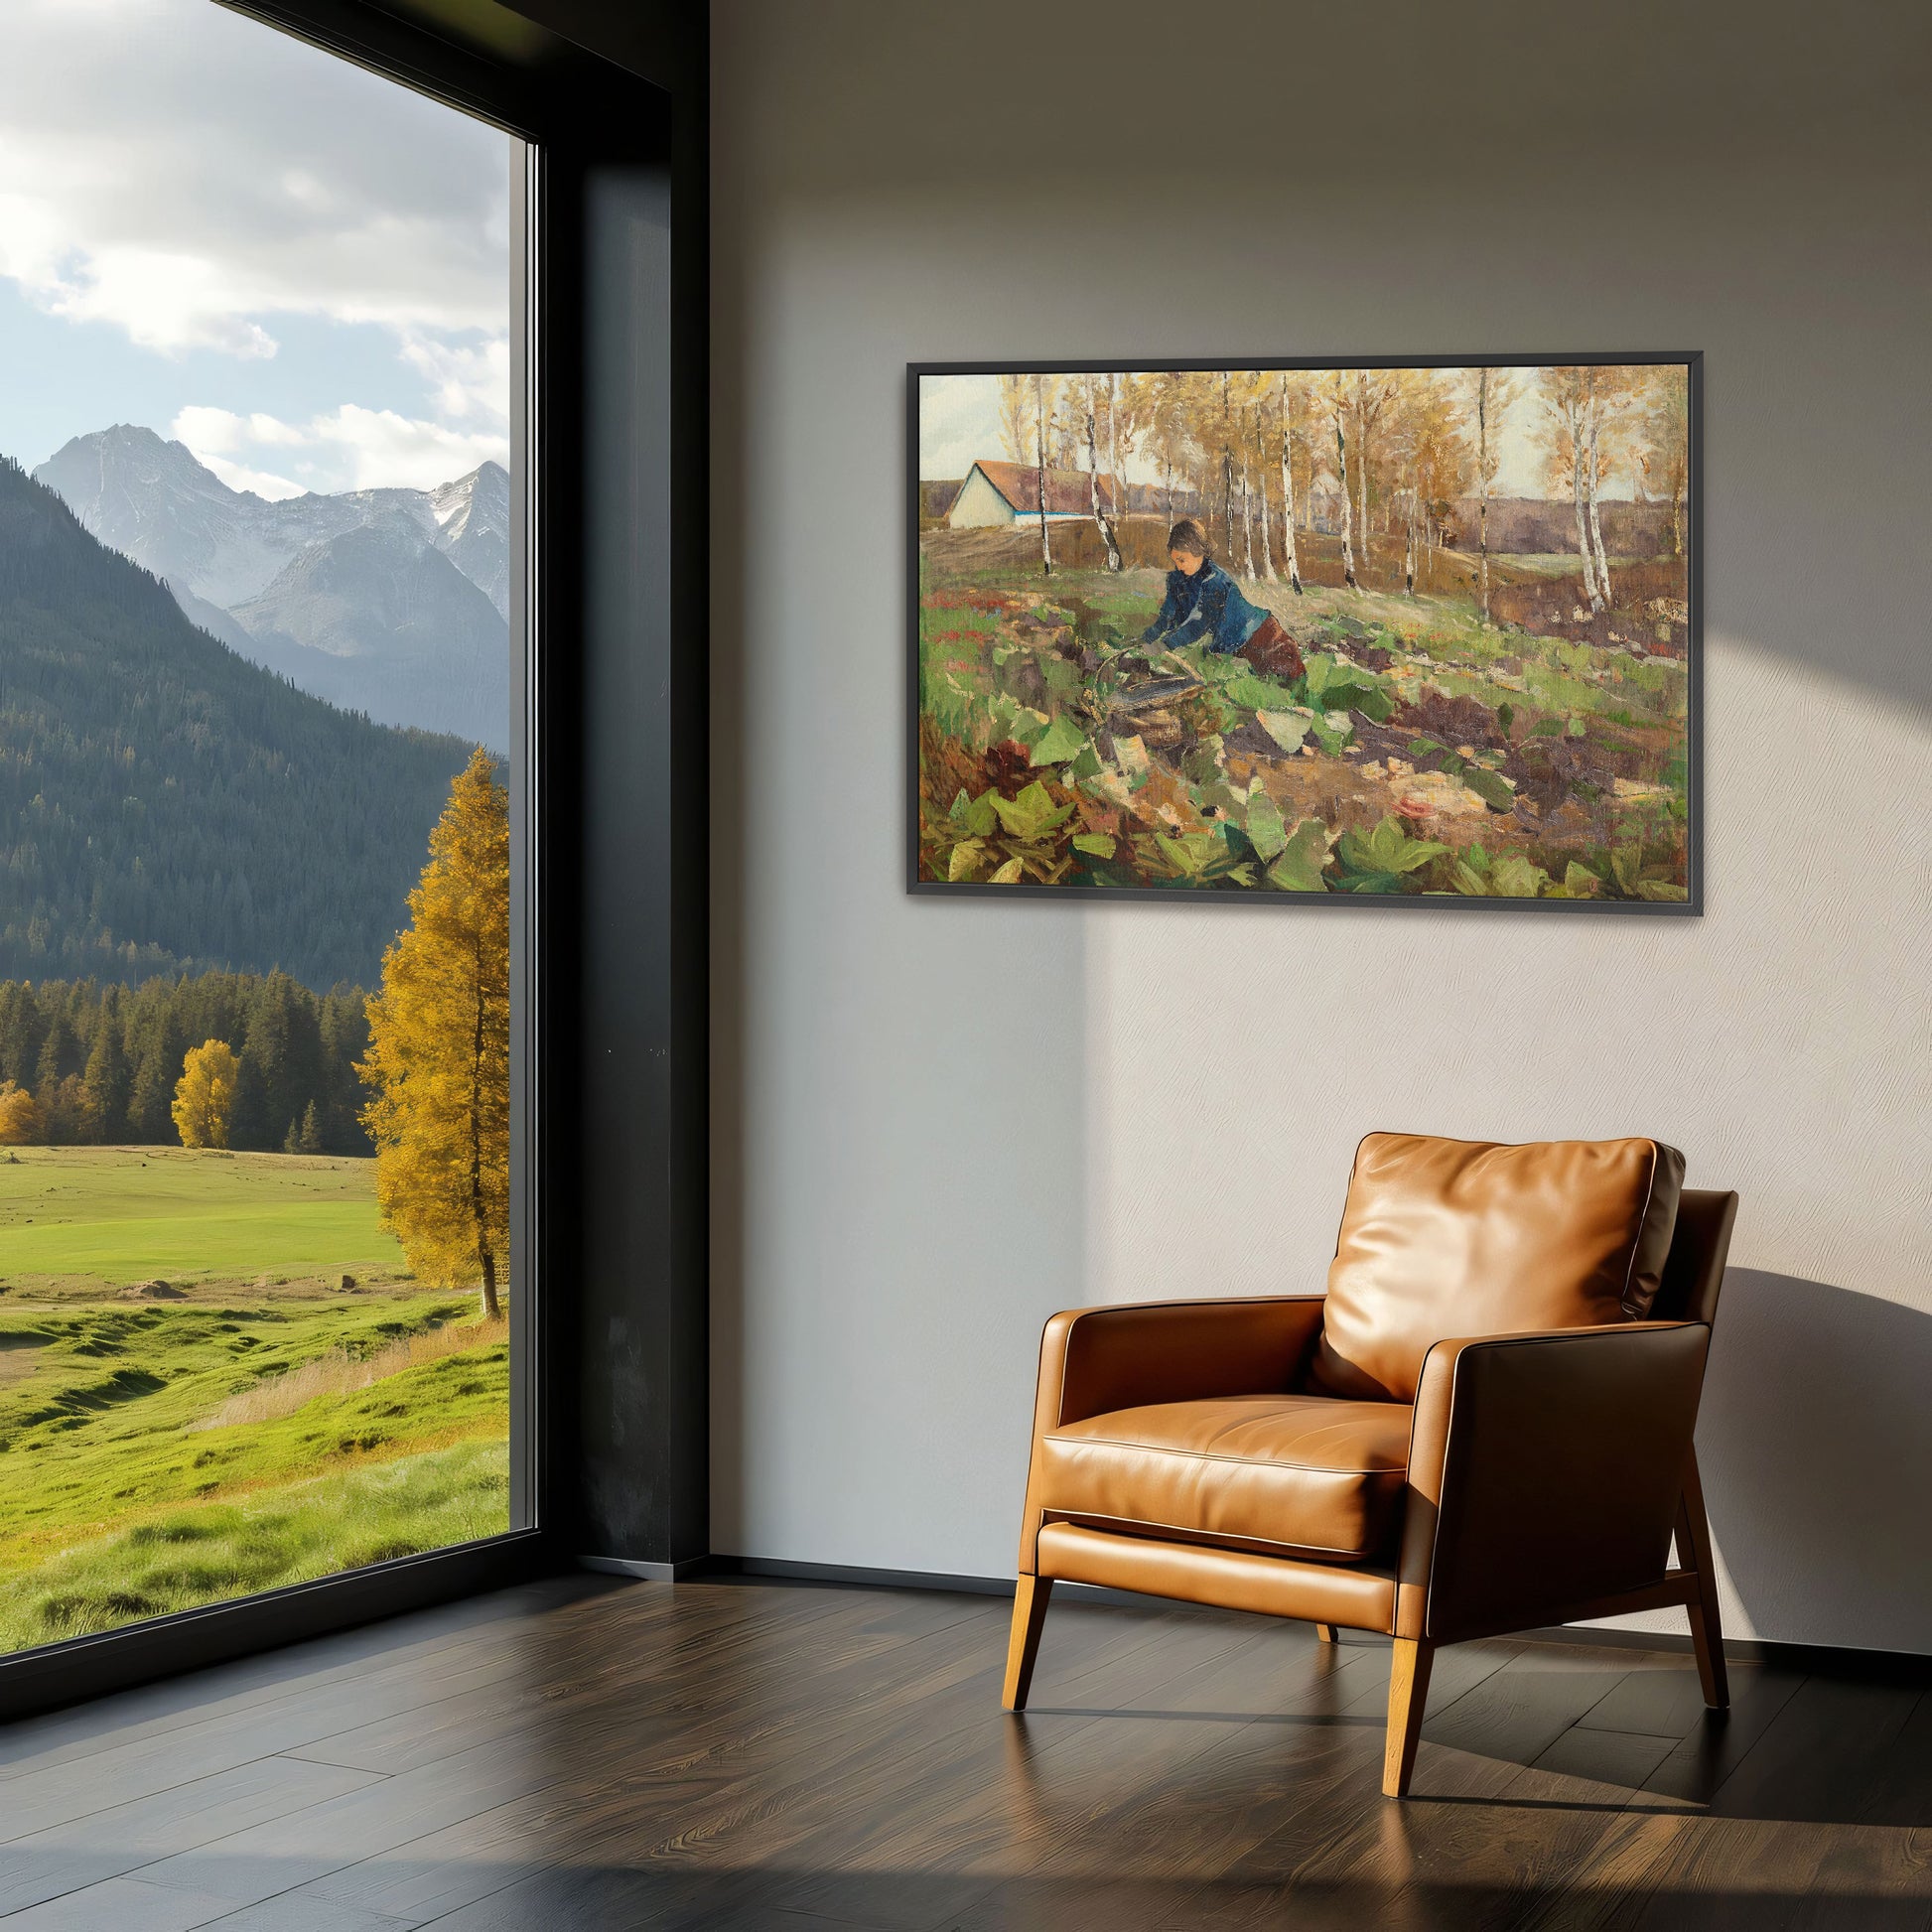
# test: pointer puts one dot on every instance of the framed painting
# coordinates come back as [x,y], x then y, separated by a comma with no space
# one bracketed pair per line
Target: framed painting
[1313,632]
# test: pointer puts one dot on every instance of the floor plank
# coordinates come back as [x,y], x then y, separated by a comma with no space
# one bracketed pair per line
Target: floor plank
[32,1746]
[146,1833]
[124,1903]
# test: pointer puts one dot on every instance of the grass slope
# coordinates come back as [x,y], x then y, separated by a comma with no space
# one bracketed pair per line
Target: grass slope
[155,1455]
[103,1428]
[330,1523]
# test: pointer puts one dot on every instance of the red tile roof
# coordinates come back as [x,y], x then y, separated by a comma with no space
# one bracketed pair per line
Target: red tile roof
[1067,490]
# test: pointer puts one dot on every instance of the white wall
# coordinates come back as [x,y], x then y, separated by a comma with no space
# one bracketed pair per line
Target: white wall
[938,1122]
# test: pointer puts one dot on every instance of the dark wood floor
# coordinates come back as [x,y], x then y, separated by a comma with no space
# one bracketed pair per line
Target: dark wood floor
[582,1753]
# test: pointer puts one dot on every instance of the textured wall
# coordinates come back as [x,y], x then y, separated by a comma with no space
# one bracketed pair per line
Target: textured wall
[937,1123]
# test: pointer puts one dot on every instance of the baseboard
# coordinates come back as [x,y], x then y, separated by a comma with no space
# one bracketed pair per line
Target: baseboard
[651,1572]
[143,1653]
[1821,1660]
[1813,1659]
[848,1576]
[779,1570]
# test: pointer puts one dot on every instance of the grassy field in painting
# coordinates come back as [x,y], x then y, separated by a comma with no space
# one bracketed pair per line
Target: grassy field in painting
[1423,752]
[291,1403]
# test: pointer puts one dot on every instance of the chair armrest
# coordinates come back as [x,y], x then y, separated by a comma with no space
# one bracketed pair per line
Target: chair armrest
[1093,1361]
[1544,1471]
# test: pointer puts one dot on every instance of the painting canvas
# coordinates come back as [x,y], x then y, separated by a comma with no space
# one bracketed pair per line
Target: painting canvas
[1355,634]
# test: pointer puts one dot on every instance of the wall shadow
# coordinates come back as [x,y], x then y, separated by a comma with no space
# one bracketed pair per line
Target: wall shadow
[1815,1438]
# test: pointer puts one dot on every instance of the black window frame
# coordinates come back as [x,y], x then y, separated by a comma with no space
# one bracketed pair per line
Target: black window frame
[609,1465]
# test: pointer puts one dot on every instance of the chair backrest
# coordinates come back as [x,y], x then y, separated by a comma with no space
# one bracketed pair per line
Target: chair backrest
[1694,1269]
[1441,1237]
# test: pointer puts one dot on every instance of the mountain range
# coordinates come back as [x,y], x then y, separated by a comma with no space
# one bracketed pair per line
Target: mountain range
[167,806]
[391,601]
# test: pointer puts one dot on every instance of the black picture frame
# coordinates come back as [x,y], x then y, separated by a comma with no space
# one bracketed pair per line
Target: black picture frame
[1691,906]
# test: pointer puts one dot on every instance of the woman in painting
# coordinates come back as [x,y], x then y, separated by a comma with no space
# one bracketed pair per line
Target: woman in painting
[1204,604]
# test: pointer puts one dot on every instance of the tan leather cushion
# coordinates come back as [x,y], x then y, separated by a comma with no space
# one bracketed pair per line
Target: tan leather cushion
[1288,1472]
[1454,1238]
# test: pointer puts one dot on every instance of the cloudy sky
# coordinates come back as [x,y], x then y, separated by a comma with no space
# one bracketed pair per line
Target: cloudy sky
[298,269]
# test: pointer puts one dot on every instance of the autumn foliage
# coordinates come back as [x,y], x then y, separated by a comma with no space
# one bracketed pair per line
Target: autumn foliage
[20,1118]
[437,1063]
[205,1095]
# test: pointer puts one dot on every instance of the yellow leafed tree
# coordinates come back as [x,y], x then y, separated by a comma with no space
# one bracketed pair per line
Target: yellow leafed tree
[20,1117]
[438,1062]
[205,1094]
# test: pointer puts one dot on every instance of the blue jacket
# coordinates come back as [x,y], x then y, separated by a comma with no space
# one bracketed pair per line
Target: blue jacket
[1208,604]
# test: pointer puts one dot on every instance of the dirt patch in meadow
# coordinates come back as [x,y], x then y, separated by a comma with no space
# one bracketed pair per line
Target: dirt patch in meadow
[19,1355]
[1649,613]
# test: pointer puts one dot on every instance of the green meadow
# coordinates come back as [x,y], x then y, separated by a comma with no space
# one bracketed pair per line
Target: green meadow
[110,1216]
[217,1376]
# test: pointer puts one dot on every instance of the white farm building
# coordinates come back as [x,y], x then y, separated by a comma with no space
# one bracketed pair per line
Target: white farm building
[1007,493]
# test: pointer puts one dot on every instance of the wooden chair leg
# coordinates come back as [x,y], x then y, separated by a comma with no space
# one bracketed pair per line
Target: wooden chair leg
[1324,1634]
[1408,1694]
[1694,1551]
[1022,1644]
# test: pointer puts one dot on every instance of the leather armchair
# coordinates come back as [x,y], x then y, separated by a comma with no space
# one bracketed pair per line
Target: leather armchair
[1460,1484]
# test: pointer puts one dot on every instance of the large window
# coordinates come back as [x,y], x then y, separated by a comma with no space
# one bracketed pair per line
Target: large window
[260,642]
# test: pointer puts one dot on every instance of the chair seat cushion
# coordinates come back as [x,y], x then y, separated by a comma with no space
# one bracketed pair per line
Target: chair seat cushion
[1296,1473]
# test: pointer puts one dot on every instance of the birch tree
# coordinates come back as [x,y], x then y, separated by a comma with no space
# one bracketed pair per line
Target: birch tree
[1101,522]
[1248,396]
[1496,389]
[1374,391]
[1339,409]
[1017,416]
[1227,461]
[1165,409]
[1113,440]
[1289,560]
[1666,440]
[1566,405]
[1430,455]
[1247,510]
[1182,418]
[1595,400]
[1043,408]
[1258,438]
[1405,454]
[1064,437]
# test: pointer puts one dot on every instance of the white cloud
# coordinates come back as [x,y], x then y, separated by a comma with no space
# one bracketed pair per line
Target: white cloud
[218,436]
[386,447]
[466,380]
[224,175]
[164,302]
[209,432]
[347,447]
[272,430]
[263,482]
[200,182]
[202,428]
